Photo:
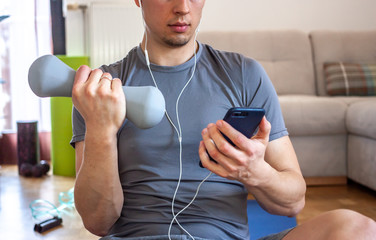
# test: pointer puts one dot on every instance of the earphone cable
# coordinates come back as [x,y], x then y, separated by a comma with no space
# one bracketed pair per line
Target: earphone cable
[178,131]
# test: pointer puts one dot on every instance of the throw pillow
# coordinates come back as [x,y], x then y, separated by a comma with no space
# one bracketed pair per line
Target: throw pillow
[350,79]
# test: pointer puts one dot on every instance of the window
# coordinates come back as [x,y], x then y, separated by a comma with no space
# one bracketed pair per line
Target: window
[24,35]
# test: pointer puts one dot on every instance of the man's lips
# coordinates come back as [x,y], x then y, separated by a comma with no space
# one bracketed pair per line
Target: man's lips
[179,27]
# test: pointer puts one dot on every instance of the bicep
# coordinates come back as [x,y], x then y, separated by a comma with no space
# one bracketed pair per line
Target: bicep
[79,152]
[280,154]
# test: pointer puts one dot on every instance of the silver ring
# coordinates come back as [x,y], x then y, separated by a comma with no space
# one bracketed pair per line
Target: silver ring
[106,77]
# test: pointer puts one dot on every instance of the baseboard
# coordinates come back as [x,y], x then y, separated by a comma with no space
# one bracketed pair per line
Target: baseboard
[325,181]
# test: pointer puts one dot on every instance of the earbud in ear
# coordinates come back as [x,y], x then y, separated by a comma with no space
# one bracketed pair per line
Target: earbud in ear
[198,27]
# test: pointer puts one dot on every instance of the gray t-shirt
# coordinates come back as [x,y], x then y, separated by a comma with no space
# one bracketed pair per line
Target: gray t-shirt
[149,158]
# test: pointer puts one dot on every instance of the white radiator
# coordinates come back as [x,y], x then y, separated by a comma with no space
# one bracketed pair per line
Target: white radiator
[113,30]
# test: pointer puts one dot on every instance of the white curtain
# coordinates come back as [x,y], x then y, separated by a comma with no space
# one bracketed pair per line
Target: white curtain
[29,37]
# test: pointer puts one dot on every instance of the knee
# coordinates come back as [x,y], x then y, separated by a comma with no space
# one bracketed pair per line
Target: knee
[348,224]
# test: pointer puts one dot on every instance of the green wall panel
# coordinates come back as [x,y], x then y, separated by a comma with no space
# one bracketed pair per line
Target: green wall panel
[62,153]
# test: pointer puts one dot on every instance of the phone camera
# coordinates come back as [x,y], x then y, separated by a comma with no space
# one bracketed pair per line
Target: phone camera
[239,114]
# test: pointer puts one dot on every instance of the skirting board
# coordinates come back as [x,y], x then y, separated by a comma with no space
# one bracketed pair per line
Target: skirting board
[325,181]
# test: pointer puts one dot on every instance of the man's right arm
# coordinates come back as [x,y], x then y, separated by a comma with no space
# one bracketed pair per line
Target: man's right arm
[98,192]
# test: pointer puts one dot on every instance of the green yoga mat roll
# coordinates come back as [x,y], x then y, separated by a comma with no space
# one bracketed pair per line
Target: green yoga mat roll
[62,154]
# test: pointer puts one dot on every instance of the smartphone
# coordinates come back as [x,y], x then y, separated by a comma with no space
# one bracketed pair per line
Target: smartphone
[245,120]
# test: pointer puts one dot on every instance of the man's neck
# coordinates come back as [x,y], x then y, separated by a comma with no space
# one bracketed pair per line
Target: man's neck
[164,55]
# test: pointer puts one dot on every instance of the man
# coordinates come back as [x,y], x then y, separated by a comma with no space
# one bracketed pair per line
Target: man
[138,184]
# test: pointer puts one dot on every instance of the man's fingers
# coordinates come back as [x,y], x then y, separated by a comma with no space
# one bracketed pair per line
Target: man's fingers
[80,79]
[106,77]
[116,84]
[105,81]
[236,137]
[218,147]
[263,131]
[82,74]
[95,77]
[209,164]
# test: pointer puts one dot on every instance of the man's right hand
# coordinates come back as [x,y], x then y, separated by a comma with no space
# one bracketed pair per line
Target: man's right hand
[99,99]
[101,102]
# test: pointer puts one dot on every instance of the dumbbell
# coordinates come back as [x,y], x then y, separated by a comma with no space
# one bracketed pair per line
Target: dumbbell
[50,77]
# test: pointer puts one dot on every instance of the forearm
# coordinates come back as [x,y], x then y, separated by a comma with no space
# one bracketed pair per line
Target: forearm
[98,192]
[279,192]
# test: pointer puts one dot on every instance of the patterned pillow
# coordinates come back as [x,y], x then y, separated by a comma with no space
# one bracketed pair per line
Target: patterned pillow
[350,79]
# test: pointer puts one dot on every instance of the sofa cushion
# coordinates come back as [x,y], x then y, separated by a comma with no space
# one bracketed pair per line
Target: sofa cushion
[344,46]
[362,160]
[286,55]
[310,115]
[361,118]
[321,156]
[350,79]
[353,99]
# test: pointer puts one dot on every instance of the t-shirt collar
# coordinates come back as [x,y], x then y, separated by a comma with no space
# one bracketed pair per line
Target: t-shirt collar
[177,68]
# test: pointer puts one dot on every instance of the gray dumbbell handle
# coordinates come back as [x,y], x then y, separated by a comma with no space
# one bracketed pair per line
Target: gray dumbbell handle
[50,77]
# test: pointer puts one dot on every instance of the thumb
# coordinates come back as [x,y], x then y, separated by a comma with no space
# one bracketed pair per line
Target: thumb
[263,131]
[80,78]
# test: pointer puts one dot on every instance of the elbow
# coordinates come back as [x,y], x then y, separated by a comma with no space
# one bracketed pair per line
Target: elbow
[99,222]
[97,226]
[93,228]
[296,208]
[299,204]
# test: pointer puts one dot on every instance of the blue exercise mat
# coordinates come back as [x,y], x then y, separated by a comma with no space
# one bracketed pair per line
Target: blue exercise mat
[262,223]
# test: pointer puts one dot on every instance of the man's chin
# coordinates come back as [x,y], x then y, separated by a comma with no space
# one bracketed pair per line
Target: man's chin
[176,42]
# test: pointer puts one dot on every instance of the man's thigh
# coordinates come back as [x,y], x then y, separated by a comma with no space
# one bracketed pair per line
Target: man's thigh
[337,224]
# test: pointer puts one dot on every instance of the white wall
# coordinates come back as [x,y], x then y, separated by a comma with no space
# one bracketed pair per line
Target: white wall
[305,15]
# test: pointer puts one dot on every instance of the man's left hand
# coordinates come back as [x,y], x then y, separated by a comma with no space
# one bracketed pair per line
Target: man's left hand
[242,162]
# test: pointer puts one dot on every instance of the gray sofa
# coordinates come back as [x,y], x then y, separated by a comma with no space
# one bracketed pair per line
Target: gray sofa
[334,136]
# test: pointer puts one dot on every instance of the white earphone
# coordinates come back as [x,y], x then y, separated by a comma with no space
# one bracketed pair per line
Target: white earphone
[177,129]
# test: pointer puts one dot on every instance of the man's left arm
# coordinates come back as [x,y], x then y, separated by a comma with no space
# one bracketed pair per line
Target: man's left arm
[269,170]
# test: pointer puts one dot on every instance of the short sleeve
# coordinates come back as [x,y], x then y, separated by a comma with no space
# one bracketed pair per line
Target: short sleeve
[78,127]
[266,97]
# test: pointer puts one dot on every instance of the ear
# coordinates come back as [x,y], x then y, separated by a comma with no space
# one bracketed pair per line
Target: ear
[138,2]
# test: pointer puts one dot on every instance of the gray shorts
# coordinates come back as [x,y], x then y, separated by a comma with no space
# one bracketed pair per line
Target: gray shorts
[276,236]
[162,237]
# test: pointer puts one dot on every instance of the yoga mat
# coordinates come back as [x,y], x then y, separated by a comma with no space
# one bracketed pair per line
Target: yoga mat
[62,154]
[262,223]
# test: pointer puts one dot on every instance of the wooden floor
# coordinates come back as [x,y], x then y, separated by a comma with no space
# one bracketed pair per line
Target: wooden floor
[16,193]
[351,196]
